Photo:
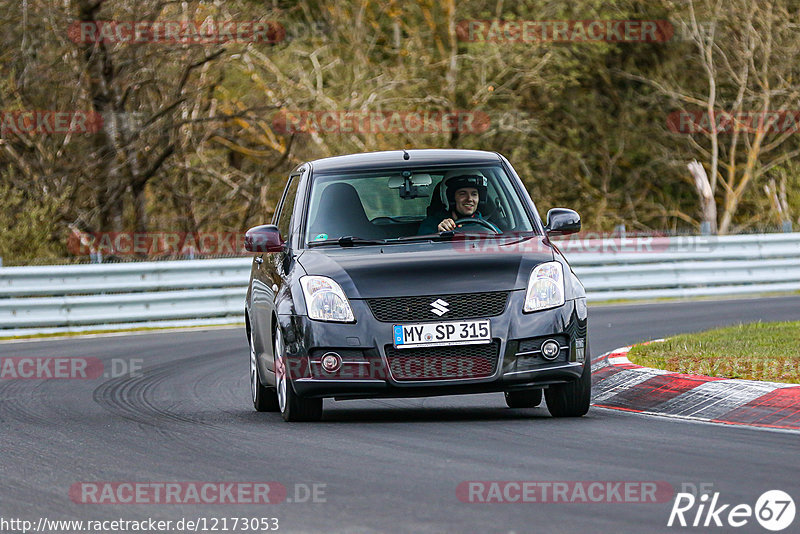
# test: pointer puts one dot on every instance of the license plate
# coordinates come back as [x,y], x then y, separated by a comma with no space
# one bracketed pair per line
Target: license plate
[442,334]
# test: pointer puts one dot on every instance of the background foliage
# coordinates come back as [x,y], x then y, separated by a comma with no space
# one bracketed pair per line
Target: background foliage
[188,141]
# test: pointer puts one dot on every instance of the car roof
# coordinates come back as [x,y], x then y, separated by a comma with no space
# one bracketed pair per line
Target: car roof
[394,159]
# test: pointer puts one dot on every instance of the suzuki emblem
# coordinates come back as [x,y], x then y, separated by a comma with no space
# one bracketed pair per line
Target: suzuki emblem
[439,307]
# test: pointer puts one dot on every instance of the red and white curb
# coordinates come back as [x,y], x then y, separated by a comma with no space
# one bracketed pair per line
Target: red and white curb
[619,384]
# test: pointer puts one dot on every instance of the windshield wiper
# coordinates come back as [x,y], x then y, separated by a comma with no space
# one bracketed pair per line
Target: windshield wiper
[442,236]
[450,235]
[348,241]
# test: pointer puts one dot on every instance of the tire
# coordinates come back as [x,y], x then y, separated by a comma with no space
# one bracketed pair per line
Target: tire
[571,399]
[265,399]
[529,398]
[292,407]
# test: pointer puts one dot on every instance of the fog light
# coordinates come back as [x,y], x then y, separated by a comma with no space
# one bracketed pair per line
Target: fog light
[331,362]
[550,349]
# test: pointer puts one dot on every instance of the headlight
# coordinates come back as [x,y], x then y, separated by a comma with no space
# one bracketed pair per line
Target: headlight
[325,300]
[545,287]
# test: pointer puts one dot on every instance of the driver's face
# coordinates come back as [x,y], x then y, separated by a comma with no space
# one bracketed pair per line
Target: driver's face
[466,201]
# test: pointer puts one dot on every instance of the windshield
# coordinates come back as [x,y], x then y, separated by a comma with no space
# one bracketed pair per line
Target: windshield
[398,204]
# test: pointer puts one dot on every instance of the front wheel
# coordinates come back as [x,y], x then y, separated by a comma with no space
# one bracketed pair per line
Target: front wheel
[571,399]
[292,407]
[264,398]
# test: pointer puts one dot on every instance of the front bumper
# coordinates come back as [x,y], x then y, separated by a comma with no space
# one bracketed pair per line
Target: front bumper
[367,372]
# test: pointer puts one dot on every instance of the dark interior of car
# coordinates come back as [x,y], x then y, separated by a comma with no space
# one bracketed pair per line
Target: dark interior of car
[341,208]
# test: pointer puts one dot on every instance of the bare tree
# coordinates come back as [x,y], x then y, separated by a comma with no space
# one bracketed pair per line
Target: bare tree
[745,53]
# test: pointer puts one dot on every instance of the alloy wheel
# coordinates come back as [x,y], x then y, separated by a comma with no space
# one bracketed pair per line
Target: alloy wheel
[280,370]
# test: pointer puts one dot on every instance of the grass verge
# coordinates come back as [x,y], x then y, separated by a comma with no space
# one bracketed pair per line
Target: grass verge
[757,351]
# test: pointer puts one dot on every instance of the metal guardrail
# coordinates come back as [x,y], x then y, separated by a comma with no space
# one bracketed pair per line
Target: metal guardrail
[74,298]
[691,266]
[47,299]
[93,279]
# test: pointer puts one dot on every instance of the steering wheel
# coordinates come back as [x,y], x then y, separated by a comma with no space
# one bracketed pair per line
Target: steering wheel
[479,222]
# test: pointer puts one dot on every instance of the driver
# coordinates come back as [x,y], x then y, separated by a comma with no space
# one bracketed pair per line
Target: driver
[464,193]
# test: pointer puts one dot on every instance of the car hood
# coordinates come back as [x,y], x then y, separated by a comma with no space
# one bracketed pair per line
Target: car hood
[429,268]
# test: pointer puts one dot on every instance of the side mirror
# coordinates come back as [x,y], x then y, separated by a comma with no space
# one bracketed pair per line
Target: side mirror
[561,221]
[264,238]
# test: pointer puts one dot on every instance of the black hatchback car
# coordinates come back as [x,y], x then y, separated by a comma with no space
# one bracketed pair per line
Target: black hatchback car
[413,273]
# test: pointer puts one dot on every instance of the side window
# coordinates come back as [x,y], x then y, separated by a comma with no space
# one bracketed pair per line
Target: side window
[287,207]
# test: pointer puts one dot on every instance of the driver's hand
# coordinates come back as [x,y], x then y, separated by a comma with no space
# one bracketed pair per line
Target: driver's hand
[447,225]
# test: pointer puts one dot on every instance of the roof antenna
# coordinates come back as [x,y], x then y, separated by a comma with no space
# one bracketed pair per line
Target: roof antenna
[405,155]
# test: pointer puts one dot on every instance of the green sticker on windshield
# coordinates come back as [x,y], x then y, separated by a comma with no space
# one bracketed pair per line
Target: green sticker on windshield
[321,237]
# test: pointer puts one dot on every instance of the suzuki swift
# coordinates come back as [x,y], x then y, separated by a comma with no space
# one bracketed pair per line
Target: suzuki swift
[413,273]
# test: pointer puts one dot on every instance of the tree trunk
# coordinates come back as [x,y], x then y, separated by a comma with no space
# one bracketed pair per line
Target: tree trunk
[140,207]
[708,206]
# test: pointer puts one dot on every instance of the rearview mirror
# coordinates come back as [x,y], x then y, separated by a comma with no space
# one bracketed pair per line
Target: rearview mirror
[264,238]
[561,221]
[416,180]
[411,185]
[421,179]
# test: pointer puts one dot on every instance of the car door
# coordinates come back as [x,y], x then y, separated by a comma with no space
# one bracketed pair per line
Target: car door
[269,278]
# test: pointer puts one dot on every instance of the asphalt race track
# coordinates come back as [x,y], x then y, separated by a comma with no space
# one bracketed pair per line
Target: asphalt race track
[380,466]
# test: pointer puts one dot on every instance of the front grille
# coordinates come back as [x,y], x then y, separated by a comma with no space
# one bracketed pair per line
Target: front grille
[444,363]
[465,306]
